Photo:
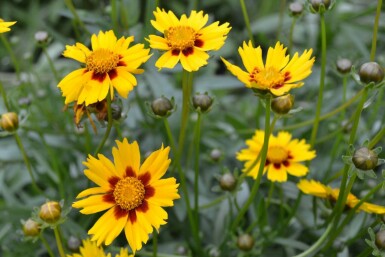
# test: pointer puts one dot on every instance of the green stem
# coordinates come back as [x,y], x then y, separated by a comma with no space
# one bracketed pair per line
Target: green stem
[141,105]
[270,194]
[280,18]
[187,87]
[4,95]
[317,244]
[114,16]
[247,20]
[59,242]
[322,82]
[51,65]
[109,125]
[196,166]
[327,115]
[293,22]
[375,29]
[154,243]
[215,201]
[380,135]
[357,116]
[12,55]
[169,135]
[257,182]
[46,245]
[77,20]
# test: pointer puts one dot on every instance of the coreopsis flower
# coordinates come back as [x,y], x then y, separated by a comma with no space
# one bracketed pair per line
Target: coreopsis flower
[278,75]
[4,25]
[186,39]
[124,253]
[284,156]
[312,187]
[132,194]
[90,249]
[109,66]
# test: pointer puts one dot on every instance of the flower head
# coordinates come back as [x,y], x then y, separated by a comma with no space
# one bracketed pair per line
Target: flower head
[109,66]
[283,156]
[278,74]
[4,25]
[186,39]
[132,194]
[318,189]
[90,249]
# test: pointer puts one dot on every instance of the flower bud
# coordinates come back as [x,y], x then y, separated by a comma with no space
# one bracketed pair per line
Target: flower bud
[162,106]
[380,239]
[344,65]
[50,212]
[227,182]
[9,121]
[41,37]
[31,228]
[282,104]
[365,159]
[296,9]
[245,242]
[371,72]
[215,155]
[73,243]
[316,4]
[202,101]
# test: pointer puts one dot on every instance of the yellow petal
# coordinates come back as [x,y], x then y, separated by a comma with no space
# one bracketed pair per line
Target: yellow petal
[297,169]
[92,204]
[126,155]
[167,60]
[238,72]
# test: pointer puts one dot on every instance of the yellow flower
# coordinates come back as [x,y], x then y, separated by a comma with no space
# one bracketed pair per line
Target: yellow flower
[315,188]
[124,253]
[278,75]
[186,40]
[283,156]
[90,249]
[4,26]
[133,194]
[109,65]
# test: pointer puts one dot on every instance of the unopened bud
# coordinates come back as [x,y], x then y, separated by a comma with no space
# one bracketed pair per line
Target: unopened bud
[215,155]
[371,72]
[365,159]
[41,37]
[282,104]
[162,106]
[31,228]
[296,9]
[9,121]
[50,212]
[245,242]
[227,182]
[73,243]
[316,4]
[344,65]
[202,101]
[380,239]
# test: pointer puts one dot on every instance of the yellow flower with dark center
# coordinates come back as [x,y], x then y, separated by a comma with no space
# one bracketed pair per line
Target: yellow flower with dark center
[312,187]
[109,66]
[186,40]
[4,25]
[283,156]
[90,249]
[278,74]
[133,194]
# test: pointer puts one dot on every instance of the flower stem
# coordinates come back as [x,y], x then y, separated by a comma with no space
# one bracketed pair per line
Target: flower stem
[154,243]
[109,125]
[46,245]
[59,242]
[4,95]
[375,29]
[322,82]
[380,135]
[247,20]
[280,18]
[12,55]
[50,63]
[77,20]
[114,16]
[196,167]
[257,182]
[293,22]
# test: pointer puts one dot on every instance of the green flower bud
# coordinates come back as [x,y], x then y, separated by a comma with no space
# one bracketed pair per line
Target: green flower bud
[9,121]
[202,101]
[73,243]
[296,9]
[41,37]
[31,228]
[227,182]
[282,104]
[50,212]
[215,155]
[380,239]
[344,65]
[365,159]
[245,242]
[371,72]
[162,106]
[316,4]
